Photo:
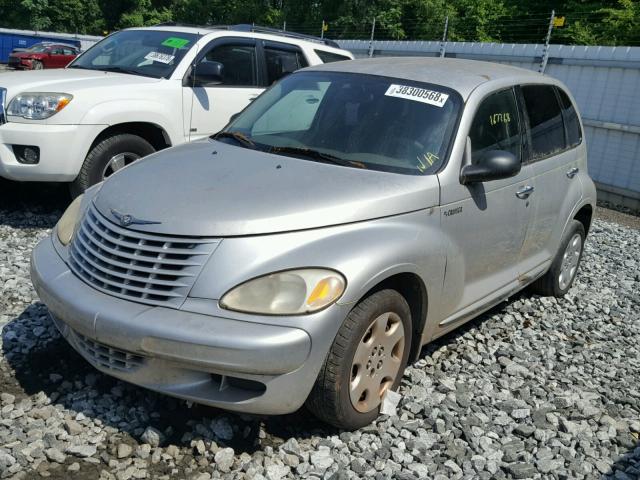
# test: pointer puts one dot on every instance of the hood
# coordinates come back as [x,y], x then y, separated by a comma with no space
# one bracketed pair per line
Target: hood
[236,191]
[66,80]
[27,54]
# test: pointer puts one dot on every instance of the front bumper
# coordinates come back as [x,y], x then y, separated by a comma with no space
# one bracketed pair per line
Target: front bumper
[222,362]
[63,149]
[15,62]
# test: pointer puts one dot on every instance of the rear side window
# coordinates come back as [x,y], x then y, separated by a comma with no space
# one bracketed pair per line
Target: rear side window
[571,122]
[545,120]
[495,126]
[282,62]
[328,57]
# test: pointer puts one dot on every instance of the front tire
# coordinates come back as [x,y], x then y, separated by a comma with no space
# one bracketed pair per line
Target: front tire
[558,280]
[37,65]
[107,157]
[367,358]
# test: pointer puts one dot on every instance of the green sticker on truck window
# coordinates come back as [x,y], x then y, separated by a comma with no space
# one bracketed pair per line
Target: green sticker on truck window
[175,42]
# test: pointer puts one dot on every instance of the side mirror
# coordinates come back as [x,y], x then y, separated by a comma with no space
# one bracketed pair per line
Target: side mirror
[205,74]
[494,165]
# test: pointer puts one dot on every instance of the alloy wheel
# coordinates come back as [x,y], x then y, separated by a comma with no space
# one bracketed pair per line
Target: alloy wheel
[118,162]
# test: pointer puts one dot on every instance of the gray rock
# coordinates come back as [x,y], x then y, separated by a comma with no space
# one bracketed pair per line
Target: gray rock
[321,458]
[82,451]
[521,470]
[73,427]
[224,459]
[124,450]
[152,436]
[276,472]
[55,455]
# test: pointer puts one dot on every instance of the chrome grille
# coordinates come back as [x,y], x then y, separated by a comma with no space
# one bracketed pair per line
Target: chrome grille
[108,357]
[146,268]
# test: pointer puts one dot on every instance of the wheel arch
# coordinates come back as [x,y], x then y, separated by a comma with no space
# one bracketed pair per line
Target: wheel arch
[151,132]
[414,291]
[584,215]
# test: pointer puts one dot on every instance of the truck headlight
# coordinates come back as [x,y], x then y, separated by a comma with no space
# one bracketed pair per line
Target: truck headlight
[67,224]
[291,292]
[38,106]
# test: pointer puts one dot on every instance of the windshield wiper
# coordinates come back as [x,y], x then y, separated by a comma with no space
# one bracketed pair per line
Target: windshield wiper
[317,155]
[118,69]
[237,136]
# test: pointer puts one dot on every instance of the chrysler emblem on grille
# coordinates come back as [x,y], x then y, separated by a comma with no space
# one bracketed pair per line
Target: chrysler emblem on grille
[125,219]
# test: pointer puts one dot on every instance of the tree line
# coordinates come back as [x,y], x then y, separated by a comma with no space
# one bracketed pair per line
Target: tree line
[586,22]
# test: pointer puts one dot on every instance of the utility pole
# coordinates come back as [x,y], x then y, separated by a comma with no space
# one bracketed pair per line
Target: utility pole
[444,36]
[545,51]
[373,31]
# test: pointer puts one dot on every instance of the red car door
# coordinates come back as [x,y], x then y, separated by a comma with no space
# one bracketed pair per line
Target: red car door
[56,57]
[68,54]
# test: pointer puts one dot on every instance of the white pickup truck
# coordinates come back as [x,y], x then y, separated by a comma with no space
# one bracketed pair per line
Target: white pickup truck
[138,91]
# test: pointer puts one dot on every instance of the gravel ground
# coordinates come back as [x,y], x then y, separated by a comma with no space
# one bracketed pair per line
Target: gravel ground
[535,388]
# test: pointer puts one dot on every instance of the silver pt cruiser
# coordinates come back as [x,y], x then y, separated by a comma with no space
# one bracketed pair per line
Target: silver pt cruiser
[351,214]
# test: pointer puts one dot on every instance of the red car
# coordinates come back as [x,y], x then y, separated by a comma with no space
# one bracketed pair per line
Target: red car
[43,55]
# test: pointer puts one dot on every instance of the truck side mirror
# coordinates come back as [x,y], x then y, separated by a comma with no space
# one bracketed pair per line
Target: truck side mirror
[206,74]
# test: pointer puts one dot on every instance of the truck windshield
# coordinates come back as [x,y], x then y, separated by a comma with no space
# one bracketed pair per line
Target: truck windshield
[152,53]
[355,120]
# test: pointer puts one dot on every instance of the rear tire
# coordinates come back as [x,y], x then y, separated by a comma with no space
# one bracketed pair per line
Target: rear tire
[560,276]
[364,359]
[108,156]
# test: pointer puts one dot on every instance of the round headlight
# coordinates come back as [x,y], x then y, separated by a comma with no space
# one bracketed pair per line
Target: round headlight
[67,224]
[291,292]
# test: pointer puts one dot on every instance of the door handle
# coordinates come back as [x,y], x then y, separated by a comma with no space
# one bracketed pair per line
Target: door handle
[573,172]
[525,191]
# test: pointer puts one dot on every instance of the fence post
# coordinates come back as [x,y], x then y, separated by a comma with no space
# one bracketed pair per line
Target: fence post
[322,30]
[545,50]
[373,31]
[284,26]
[444,36]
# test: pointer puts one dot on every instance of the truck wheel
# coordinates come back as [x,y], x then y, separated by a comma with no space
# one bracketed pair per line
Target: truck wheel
[107,157]
[367,358]
[558,280]
[36,65]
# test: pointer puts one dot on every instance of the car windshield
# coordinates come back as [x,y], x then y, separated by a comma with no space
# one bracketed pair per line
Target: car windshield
[37,48]
[355,120]
[151,53]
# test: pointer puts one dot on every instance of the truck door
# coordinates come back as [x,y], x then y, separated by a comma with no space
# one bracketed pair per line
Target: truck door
[208,109]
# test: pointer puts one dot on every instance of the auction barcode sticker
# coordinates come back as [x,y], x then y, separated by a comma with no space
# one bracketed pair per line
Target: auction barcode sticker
[160,57]
[417,94]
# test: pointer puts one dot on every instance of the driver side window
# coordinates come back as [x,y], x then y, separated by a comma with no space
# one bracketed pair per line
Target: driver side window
[239,64]
[496,126]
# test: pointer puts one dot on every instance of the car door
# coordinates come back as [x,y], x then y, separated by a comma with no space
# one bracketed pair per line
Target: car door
[553,130]
[486,222]
[68,54]
[55,59]
[208,109]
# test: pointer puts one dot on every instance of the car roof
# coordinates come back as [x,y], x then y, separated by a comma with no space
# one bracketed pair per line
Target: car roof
[460,75]
[251,31]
